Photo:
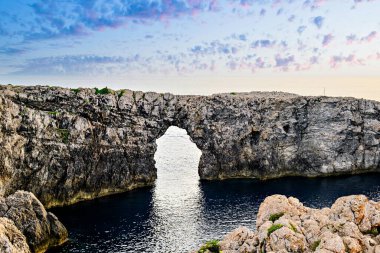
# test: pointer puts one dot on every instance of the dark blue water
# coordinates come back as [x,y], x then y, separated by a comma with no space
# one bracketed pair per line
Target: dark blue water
[181,212]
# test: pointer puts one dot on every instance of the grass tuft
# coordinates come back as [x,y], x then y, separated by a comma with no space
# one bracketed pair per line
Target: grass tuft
[315,245]
[292,227]
[64,134]
[374,231]
[121,93]
[210,246]
[273,228]
[275,216]
[55,113]
[76,91]
[103,91]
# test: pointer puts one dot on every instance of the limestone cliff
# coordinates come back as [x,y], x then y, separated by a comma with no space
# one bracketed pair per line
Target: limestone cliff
[68,145]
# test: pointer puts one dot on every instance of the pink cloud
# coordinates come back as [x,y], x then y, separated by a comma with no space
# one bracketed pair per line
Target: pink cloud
[327,39]
[370,37]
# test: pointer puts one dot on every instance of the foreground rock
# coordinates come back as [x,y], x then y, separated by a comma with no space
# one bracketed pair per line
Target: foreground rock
[11,239]
[69,145]
[352,224]
[26,222]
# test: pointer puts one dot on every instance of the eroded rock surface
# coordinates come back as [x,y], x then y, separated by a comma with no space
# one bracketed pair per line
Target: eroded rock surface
[352,224]
[11,239]
[69,145]
[24,219]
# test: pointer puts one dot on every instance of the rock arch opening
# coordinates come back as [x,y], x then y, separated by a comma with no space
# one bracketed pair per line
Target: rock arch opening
[177,156]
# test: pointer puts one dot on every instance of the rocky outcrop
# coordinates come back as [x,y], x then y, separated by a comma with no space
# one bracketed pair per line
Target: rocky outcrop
[352,224]
[11,239]
[24,221]
[69,145]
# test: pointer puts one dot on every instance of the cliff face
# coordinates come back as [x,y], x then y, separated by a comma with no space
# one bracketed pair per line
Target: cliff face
[67,145]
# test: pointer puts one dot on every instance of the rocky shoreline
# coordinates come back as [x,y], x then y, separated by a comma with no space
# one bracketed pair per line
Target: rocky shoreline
[26,227]
[351,224]
[68,145]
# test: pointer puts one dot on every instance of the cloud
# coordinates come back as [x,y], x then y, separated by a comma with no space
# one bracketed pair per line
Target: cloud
[259,63]
[337,60]
[213,48]
[291,18]
[318,21]
[74,65]
[11,51]
[263,43]
[351,38]
[313,4]
[365,39]
[284,62]
[47,19]
[327,39]
[301,29]
[243,37]
[370,37]
[313,60]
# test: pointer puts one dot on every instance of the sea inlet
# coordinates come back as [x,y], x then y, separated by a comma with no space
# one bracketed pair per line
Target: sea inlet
[181,212]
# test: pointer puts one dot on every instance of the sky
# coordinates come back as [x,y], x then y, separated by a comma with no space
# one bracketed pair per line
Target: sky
[309,47]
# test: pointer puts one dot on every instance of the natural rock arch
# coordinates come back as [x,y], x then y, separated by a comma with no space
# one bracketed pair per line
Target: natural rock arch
[69,145]
[174,148]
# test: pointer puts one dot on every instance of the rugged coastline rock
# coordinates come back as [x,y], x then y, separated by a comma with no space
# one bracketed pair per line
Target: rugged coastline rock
[24,221]
[352,224]
[67,145]
[11,239]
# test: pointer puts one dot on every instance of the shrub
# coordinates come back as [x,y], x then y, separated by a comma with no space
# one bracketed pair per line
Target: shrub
[315,245]
[273,228]
[373,231]
[76,91]
[121,93]
[211,246]
[103,91]
[233,93]
[64,134]
[53,113]
[275,216]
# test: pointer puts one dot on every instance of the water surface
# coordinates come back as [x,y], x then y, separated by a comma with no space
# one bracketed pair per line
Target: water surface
[180,212]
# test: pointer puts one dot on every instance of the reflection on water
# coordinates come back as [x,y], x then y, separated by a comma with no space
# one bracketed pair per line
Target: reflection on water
[177,199]
[181,212]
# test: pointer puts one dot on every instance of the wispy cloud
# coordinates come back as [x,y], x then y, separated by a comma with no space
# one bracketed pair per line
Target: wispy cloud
[337,60]
[352,38]
[74,64]
[10,51]
[370,37]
